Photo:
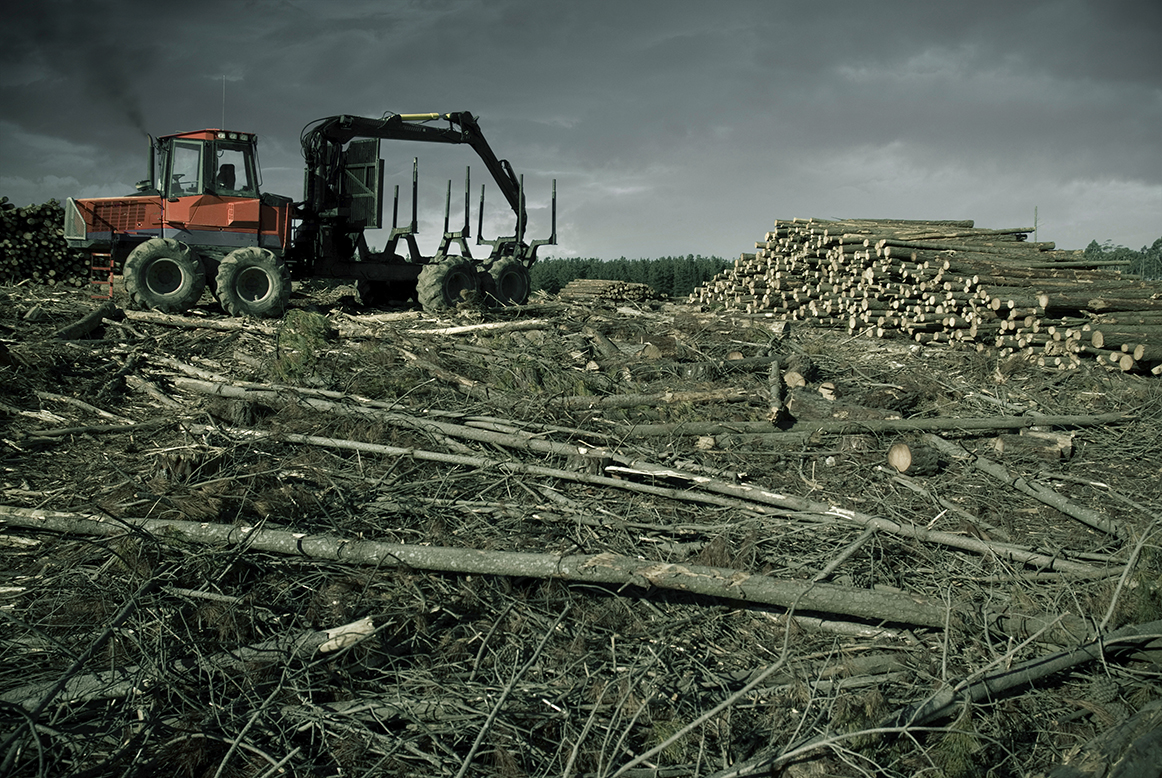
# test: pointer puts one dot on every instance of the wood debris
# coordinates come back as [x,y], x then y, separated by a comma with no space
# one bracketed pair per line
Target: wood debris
[562,539]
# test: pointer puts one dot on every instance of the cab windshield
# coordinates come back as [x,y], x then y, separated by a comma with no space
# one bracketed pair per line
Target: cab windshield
[185,176]
[224,168]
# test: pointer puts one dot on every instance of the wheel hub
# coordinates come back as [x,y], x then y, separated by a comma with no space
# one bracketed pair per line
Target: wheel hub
[253,285]
[164,276]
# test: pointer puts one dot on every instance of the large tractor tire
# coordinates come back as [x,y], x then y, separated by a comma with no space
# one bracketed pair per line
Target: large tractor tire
[252,281]
[510,283]
[444,284]
[165,275]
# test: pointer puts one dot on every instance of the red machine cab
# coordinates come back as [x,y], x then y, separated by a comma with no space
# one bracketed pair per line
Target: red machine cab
[202,190]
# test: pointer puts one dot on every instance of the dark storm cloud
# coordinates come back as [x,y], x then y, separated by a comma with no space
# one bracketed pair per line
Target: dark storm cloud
[62,54]
[672,127]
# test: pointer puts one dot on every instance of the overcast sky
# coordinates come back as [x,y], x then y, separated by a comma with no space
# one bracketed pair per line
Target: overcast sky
[672,127]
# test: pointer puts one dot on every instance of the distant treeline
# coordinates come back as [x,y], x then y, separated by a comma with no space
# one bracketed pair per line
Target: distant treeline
[1146,263]
[672,276]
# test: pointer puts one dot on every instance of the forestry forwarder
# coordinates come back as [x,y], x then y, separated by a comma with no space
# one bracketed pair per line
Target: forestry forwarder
[200,218]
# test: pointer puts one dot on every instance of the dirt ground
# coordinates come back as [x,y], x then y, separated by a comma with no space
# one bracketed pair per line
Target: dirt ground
[656,435]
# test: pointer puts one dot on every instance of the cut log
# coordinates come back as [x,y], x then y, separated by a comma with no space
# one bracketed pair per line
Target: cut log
[1114,336]
[794,379]
[610,291]
[913,459]
[1049,446]
[32,247]
[775,392]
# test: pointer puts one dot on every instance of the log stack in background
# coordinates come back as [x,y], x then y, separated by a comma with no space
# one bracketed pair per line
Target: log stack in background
[33,248]
[948,282]
[609,291]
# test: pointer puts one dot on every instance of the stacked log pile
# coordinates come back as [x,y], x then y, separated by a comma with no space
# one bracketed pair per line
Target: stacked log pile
[948,282]
[601,289]
[33,248]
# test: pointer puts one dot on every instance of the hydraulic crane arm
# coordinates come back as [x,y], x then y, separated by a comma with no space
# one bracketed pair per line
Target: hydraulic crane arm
[324,139]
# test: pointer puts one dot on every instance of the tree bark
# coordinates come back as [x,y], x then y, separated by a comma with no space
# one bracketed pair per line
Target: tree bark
[87,324]
[591,568]
[581,402]
[490,327]
[953,699]
[714,492]
[872,425]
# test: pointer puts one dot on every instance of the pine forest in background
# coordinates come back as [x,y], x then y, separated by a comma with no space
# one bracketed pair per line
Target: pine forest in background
[669,276]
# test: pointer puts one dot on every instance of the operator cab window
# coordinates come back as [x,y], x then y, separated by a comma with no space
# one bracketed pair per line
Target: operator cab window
[186,170]
[234,171]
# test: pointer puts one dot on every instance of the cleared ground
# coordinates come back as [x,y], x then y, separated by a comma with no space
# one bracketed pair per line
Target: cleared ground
[695,566]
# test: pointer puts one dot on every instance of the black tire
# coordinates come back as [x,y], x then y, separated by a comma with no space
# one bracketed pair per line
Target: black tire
[165,275]
[444,284]
[252,281]
[511,283]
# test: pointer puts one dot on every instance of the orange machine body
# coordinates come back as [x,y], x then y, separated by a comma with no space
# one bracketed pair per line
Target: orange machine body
[203,190]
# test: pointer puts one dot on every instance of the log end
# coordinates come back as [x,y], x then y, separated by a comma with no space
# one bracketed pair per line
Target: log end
[912,459]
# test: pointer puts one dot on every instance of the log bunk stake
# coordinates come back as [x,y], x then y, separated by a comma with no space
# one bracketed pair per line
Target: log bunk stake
[950,283]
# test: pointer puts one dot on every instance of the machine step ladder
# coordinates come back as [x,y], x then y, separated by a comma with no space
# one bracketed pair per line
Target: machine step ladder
[101,274]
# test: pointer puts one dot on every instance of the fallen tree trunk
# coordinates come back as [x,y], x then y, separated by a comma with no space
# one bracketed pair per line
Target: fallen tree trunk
[806,507]
[590,568]
[123,681]
[288,396]
[1042,493]
[491,328]
[579,402]
[753,429]
[1130,749]
[202,323]
[713,492]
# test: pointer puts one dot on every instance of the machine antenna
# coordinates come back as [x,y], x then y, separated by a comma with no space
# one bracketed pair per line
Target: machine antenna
[223,125]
